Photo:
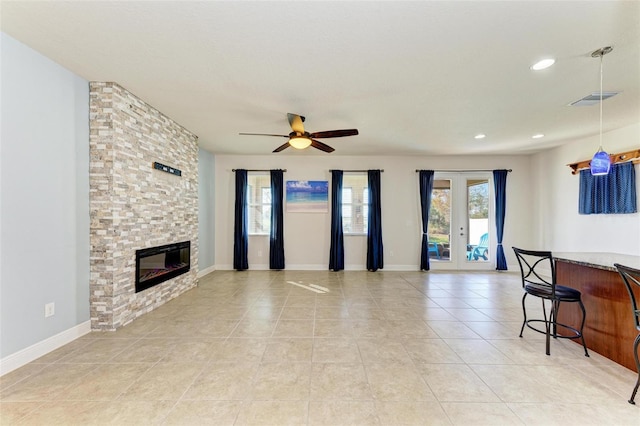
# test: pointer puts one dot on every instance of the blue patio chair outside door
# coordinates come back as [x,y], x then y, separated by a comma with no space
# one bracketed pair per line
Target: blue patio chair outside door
[433,248]
[481,250]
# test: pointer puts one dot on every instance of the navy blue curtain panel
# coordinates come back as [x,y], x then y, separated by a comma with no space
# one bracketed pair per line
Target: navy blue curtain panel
[500,186]
[240,230]
[426,187]
[276,244]
[375,259]
[336,251]
[608,194]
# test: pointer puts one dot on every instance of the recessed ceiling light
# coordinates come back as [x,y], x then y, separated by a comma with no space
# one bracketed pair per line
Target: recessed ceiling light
[545,63]
[537,136]
[480,136]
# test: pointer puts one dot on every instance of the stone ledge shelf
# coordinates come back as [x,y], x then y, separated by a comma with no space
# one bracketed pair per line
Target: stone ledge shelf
[622,157]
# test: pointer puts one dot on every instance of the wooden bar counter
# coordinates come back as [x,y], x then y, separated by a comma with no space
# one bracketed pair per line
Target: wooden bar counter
[609,329]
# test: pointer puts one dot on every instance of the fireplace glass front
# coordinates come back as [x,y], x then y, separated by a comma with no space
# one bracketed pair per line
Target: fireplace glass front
[157,264]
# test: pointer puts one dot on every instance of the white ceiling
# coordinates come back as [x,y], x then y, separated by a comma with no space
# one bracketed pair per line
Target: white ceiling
[416,78]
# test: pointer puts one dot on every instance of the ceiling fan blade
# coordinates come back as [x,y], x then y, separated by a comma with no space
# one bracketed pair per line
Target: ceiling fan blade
[321,146]
[263,134]
[335,133]
[282,147]
[295,121]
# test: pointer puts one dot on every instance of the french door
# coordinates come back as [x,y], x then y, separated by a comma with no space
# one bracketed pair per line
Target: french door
[461,221]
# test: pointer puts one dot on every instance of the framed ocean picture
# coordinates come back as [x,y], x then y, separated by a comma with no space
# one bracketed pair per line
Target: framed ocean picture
[307,196]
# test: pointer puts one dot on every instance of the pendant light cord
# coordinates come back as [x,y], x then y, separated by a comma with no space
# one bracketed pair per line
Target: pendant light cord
[601,161]
[601,59]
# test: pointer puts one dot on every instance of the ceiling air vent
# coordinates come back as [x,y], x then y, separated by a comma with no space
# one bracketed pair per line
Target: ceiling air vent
[593,99]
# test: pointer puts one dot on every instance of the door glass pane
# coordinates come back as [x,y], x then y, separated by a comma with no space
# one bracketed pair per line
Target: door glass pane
[440,221]
[478,214]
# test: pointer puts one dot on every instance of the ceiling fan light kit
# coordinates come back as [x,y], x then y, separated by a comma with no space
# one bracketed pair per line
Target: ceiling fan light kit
[299,138]
[299,142]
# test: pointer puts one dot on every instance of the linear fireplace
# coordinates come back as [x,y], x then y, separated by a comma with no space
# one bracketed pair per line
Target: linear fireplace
[158,264]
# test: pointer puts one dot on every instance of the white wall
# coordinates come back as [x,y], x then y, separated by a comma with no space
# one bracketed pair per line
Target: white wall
[206,201]
[44,214]
[307,236]
[560,226]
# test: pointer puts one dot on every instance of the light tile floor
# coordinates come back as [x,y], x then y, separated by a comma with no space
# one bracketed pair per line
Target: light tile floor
[273,348]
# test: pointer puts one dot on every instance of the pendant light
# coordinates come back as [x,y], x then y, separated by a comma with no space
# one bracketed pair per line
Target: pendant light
[601,162]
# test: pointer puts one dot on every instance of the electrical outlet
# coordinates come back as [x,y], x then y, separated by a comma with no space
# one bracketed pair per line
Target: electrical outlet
[49,309]
[259,253]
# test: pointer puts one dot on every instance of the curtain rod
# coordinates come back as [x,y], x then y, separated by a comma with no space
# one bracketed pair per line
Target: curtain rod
[615,159]
[463,171]
[354,171]
[259,170]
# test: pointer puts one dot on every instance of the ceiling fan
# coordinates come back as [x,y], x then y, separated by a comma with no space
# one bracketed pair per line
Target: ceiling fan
[301,139]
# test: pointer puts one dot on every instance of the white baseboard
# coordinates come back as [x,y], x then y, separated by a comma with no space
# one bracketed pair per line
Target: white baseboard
[307,267]
[205,271]
[354,267]
[401,268]
[265,267]
[35,351]
[350,267]
[317,267]
[224,267]
[252,267]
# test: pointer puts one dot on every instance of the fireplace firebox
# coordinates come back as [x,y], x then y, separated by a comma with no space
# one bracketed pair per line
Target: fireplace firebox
[158,264]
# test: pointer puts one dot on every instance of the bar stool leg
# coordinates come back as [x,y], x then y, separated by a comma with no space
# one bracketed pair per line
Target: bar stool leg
[524,312]
[635,356]
[554,317]
[547,322]
[584,318]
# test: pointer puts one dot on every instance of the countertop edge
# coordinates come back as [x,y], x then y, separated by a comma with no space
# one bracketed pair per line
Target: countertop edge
[596,260]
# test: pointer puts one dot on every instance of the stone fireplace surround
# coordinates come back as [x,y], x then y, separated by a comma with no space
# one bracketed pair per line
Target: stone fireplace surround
[132,205]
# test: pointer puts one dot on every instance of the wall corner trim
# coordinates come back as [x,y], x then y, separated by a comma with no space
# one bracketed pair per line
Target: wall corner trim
[206,271]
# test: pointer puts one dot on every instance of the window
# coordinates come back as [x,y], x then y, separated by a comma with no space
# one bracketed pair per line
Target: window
[355,203]
[259,203]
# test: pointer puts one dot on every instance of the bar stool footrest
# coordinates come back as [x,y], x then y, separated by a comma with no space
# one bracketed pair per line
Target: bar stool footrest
[576,333]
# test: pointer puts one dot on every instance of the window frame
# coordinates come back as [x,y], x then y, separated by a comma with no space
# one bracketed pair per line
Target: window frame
[357,206]
[255,188]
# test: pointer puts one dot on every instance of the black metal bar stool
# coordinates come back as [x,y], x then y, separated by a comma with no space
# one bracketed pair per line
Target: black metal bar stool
[534,267]
[631,277]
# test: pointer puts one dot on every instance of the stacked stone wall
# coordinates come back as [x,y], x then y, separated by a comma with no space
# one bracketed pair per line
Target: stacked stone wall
[134,206]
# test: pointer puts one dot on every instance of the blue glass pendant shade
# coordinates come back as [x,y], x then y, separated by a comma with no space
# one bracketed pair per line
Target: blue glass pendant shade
[600,163]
